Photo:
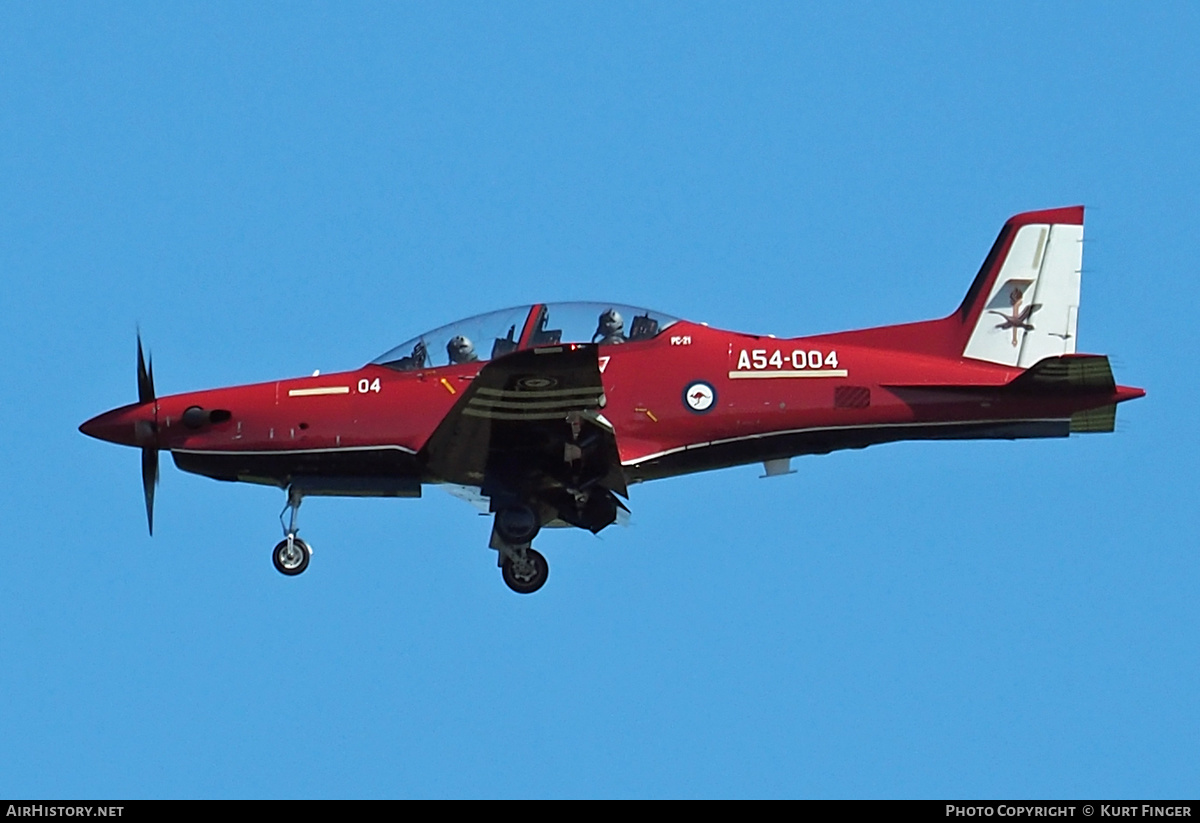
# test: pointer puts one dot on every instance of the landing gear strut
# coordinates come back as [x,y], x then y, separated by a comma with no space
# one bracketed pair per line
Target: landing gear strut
[292,554]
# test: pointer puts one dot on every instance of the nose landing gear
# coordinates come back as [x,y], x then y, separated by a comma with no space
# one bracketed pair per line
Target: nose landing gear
[292,554]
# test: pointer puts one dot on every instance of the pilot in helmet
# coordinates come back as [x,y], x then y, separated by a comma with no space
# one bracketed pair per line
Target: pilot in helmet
[461,350]
[611,328]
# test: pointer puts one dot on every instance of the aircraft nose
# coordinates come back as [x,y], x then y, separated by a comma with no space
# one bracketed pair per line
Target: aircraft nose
[132,425]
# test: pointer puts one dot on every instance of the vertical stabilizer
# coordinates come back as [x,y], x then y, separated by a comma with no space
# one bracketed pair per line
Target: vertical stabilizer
[1024,305]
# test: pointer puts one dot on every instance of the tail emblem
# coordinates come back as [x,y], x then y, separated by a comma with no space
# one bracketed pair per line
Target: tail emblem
[1019,319]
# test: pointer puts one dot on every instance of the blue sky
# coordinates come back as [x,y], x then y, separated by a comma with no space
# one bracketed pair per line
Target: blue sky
[268,189]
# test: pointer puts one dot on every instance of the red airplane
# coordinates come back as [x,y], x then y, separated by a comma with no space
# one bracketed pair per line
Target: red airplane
[546,414]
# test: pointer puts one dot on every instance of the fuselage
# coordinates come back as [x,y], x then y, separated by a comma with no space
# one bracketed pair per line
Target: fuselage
[545,414]
[690,399]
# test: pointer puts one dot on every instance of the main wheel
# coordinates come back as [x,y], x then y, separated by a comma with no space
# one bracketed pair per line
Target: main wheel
[525,576]
[294,561]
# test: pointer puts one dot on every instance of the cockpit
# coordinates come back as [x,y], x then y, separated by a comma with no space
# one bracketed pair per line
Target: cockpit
[488,336]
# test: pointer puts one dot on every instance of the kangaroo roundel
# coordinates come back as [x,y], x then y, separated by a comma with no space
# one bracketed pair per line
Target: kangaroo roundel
[699,396]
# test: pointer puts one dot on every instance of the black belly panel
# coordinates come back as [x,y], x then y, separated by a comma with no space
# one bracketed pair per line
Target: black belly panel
[755,449]
[285,467]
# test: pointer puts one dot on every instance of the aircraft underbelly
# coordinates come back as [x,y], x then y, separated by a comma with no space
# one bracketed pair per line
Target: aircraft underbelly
[741,451]
[383,471]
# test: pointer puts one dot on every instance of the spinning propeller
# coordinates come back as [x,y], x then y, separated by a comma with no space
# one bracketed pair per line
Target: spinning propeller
[138,425]
[146,431]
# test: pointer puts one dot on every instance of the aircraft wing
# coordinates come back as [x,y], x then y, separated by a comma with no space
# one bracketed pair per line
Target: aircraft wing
[529,428]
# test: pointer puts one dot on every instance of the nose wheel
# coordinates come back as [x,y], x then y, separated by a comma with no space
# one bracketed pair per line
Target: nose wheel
[525,571]
[292,554]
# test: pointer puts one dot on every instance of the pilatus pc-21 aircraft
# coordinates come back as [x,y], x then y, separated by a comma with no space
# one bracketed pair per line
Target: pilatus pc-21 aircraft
[546,414]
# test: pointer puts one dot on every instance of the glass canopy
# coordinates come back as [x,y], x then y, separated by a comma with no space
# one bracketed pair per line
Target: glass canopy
[492,335]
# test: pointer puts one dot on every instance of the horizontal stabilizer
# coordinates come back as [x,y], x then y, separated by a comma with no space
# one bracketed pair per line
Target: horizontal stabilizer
[1103,419]
[1086,377]
[1070,373]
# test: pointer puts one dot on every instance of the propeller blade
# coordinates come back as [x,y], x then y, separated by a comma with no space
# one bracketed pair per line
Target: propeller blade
[145,377]
[145,380]
[149,481]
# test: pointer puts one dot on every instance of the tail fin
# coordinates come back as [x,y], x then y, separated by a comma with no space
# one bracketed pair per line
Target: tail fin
[1024,304]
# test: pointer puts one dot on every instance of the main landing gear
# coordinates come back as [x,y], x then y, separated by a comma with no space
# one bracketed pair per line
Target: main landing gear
[292,554]
[525,571]
[523,567]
